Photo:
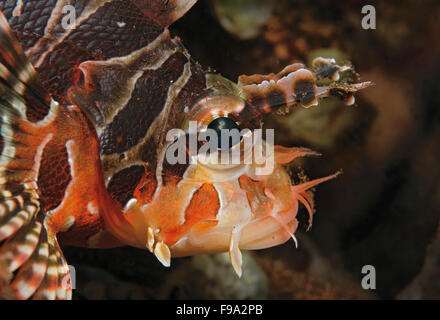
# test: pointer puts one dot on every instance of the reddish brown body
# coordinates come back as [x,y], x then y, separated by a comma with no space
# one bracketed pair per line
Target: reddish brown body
[84,137]
[63,71]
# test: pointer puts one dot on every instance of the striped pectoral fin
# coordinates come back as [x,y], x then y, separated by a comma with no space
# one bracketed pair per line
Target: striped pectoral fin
[56,282]
[31,262]
[21,77]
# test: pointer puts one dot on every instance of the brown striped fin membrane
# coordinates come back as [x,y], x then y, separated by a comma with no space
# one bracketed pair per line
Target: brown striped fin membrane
[31,262]
[297,85]
[164,12]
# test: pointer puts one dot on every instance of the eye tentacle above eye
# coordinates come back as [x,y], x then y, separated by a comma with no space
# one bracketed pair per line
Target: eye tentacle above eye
[298,85]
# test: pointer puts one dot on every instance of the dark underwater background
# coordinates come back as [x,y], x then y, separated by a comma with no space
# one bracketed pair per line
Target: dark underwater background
[383,211]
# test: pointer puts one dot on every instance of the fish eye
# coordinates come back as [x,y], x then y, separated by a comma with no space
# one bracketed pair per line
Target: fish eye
[223,123]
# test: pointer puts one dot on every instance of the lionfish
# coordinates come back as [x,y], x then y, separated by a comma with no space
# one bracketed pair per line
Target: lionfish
[85,107]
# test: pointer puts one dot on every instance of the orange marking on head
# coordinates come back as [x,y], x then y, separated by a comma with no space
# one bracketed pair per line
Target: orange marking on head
[200,213]
[146,187]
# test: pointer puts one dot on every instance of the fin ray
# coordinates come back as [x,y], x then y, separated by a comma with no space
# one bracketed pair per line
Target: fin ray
[31,262]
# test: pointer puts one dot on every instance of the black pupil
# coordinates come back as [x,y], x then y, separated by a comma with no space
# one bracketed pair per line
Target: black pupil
[226,124]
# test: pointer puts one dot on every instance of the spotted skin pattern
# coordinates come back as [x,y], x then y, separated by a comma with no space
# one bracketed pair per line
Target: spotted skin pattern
[84,115]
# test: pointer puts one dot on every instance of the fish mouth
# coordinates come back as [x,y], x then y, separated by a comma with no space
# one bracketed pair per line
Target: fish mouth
[224,209]
[247,219]
[260,232]
[255,211]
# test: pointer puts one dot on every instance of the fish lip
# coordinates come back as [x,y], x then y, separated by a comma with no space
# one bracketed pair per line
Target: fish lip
[192,244]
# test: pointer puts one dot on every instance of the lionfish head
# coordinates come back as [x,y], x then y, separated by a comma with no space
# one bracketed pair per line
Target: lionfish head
[221,183]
